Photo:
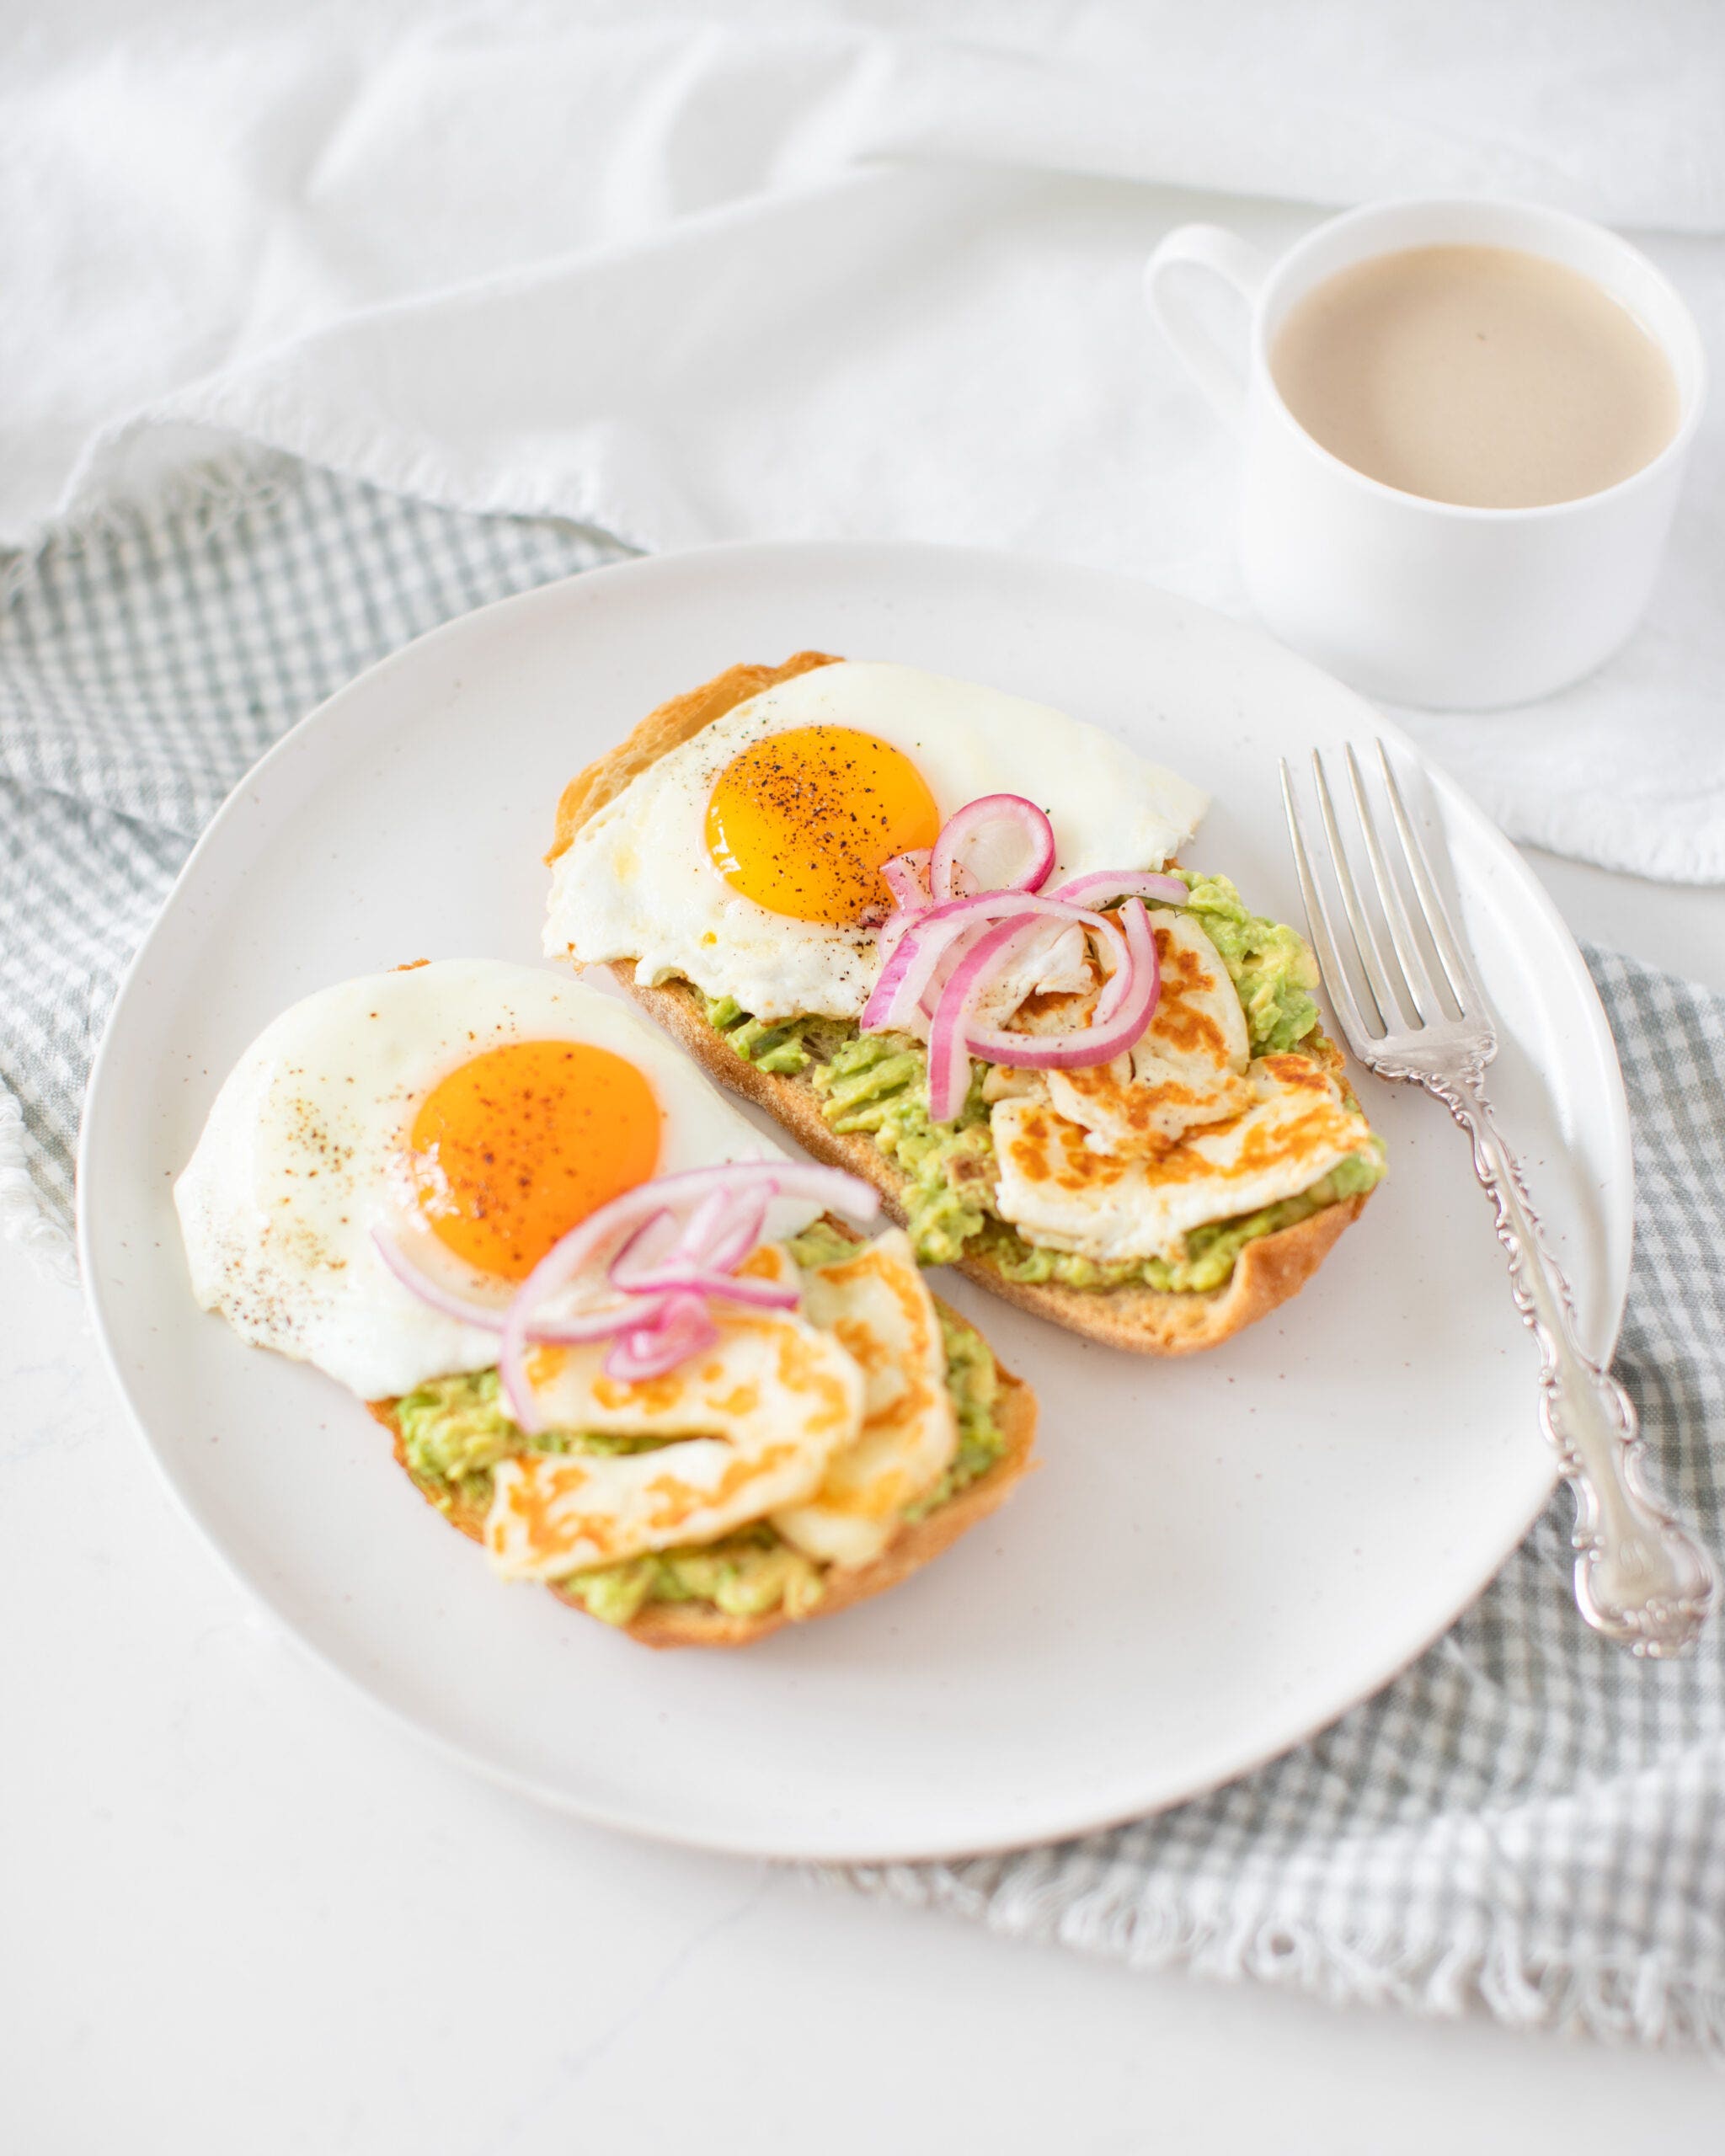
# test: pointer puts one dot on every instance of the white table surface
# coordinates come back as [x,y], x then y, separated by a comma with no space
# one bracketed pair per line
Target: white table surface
[240,1911]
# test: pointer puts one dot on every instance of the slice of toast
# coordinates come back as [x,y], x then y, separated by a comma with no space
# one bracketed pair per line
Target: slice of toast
[700,1624]
[1147,1321]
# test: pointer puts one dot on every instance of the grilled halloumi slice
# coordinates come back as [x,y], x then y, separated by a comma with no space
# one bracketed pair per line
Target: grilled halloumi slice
[1059,1192]
[755,1420]
[768,1421]
[1188,1070]
[876,1302]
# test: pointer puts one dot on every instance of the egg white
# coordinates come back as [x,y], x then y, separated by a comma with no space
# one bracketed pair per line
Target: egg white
[638,883]
[301,1159]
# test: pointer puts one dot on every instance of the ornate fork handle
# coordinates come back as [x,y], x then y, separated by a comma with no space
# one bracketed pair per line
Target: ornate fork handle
[1641,1577]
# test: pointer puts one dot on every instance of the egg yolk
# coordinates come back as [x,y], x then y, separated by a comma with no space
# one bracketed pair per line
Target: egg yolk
[517,1146]
[802,821]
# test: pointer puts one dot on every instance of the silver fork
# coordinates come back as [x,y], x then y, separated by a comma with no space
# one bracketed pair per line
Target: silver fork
[1641,1576]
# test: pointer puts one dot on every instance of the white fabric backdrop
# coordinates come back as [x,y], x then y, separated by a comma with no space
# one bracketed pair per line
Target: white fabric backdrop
[757,269]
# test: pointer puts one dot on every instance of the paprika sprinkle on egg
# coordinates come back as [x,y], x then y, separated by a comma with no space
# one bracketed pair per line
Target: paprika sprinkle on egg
[802,821]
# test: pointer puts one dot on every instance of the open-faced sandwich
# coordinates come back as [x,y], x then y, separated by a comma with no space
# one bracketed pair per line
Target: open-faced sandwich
[932,929]
[618,1337]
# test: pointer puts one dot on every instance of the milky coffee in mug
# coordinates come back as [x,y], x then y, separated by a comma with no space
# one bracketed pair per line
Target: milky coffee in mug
[1484,375]
[1463,427]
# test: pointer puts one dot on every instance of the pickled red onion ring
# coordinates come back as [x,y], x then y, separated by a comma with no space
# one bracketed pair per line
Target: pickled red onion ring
[488,1317]
[907,876]
[895,1004]
[1004,820]
[733,1243]
[1104,1037]
[654,1330]
[954,1038]
[1113,883]
[683,1329]
[941,948]
[949,1040]
[681,1275]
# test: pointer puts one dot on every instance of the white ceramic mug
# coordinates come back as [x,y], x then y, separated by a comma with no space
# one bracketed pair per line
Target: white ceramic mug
[1421,601]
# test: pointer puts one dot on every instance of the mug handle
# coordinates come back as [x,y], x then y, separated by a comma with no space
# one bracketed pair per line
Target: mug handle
[1220,376]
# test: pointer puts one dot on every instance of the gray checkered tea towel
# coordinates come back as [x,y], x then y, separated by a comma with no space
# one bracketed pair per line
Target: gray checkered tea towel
[1526,1818]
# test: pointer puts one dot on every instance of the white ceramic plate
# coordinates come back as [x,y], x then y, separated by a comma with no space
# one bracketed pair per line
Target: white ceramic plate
[1218,1554]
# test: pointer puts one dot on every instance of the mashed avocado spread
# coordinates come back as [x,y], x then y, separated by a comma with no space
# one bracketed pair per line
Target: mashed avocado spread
[455,1429]
[877,1084]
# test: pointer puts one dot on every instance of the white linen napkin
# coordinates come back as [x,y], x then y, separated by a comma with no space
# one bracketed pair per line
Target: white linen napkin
[835,269]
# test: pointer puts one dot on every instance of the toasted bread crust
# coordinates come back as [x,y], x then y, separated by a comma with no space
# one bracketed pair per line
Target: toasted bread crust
[1268,1271]
[692,1624]
[664,729]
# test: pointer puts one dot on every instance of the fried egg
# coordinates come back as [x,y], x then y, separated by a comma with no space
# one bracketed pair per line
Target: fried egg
[747,860]
[474,1111]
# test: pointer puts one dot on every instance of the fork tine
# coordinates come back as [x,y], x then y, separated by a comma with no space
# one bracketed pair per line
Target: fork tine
[1414,971]
[1323,936]
[1458,967]
[1378,979]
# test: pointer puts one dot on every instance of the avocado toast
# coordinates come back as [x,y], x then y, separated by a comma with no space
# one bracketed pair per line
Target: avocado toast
[1008,1187]
[449,1437]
